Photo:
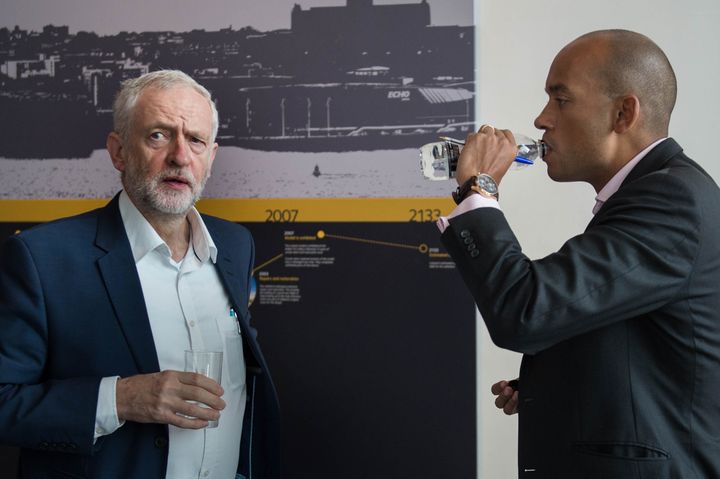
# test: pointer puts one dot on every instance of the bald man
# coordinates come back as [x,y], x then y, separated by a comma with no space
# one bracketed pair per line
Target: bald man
[620,328]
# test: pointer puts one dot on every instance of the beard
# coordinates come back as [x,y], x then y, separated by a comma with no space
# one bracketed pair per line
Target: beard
[151,193]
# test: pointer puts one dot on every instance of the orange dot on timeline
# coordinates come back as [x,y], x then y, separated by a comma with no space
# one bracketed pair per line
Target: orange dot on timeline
[320,234]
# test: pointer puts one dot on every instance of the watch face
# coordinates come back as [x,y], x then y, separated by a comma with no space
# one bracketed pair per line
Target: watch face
[487,184]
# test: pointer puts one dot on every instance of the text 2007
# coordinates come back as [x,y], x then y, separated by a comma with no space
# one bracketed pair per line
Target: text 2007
[280,216]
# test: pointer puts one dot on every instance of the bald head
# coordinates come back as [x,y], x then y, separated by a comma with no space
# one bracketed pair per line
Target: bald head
[632,64]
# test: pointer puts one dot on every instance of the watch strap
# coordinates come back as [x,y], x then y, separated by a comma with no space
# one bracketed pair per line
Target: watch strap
[463,190]
[471,184]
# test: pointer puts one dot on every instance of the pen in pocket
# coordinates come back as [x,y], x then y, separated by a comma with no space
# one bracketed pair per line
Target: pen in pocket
[234,315]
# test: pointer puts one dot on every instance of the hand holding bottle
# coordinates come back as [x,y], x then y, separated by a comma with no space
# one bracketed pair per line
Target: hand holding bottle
[438,160]
[490,150]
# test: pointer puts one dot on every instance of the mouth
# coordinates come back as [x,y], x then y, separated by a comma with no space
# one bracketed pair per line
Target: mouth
[176,182]
[548,148]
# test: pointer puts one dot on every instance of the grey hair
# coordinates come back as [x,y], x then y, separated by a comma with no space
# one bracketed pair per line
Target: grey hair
[130,91]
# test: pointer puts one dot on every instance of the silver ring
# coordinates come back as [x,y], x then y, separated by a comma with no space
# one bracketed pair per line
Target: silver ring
[482,129]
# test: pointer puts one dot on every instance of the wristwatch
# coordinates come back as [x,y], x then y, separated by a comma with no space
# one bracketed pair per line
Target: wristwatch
[481,183]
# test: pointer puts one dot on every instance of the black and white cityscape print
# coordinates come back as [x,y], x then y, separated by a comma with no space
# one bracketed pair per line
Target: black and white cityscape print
[357,77]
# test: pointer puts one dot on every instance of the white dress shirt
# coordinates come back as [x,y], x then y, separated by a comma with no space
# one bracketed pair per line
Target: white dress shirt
[188,308]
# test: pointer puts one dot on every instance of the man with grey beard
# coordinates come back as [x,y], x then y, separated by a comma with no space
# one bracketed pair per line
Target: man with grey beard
[92,380]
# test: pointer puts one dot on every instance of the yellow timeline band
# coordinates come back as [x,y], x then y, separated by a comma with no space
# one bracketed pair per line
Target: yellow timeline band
[308,210]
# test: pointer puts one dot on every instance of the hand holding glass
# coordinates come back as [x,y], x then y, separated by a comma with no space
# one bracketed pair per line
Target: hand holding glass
[207,363]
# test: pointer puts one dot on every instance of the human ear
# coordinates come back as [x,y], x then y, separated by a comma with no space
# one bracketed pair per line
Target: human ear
[627,113]
[211,158]
[116,150]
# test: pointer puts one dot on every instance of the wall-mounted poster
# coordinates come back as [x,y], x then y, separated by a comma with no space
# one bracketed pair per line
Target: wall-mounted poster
[325,100]
[323,104]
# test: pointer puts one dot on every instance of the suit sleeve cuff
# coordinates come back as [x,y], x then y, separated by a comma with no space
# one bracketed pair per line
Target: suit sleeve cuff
[472,202]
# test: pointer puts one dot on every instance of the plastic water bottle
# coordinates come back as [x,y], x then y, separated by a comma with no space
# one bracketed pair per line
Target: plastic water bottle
[438,160]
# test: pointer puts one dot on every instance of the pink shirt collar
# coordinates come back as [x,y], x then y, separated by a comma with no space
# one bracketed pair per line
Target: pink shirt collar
[614,184]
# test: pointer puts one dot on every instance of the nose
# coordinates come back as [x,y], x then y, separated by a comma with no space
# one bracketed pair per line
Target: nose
[542,122]
[180,152]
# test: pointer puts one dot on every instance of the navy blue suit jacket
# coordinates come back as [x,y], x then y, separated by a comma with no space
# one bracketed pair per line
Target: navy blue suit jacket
[72,312]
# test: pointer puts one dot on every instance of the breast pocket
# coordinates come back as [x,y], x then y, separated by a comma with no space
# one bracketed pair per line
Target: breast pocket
[233,359]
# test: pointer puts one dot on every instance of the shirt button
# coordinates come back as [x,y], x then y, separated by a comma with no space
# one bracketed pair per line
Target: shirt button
[192,324]
[99,430]
[206,473]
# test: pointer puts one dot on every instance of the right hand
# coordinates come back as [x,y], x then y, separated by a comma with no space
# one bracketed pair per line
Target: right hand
[507,397]
[163,398]
[489,151]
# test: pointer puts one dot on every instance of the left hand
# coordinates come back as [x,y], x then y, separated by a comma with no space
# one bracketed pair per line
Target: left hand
[490,151]
[506,397]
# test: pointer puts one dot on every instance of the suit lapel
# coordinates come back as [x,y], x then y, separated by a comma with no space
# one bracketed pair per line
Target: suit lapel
[230,280]
[236,288]
[118,271]
[226,268]
[653,161]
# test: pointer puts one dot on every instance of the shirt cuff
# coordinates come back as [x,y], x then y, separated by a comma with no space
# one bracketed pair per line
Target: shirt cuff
[472,202]
[106,418]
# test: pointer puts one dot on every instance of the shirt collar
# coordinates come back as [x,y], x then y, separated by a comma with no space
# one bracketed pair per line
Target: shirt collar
[614,184]
[144,239]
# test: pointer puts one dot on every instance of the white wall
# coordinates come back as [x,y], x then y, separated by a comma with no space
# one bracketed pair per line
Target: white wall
[516,42]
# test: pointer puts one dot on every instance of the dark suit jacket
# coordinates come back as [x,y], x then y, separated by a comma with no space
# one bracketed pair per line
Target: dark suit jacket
[71,312]
[620,329]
